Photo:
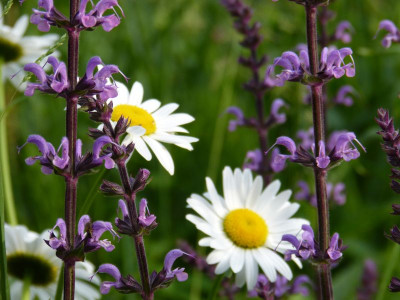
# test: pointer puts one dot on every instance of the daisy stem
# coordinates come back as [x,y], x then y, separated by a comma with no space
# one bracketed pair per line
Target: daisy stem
[216,286]
[5,160]
[26,293]
[323,270]
[71,132]
[130,197]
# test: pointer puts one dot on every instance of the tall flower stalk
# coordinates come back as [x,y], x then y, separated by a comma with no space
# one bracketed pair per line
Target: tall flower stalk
[323,269]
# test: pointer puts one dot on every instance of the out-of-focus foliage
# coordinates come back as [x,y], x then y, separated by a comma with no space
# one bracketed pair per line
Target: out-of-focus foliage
[186,52]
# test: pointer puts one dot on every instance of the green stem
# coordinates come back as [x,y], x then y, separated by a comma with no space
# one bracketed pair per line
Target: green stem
[4,291]
[26,293]
[60,284]
[5,160]
[387,273]
[216,286]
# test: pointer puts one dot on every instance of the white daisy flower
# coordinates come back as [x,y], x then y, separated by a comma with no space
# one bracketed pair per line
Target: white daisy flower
[16,50]
[28,255]
[246,225]
[151,124]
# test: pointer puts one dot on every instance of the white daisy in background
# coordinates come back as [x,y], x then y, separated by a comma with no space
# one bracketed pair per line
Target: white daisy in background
[16,50]
[151,124]
[28,255]
[245,226]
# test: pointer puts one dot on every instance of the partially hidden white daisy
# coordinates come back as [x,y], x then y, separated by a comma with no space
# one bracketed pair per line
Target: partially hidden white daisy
[29,256]
[151,124]
[16,50]
[245,226]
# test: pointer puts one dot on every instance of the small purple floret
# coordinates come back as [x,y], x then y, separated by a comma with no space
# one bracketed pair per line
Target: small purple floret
[393,35]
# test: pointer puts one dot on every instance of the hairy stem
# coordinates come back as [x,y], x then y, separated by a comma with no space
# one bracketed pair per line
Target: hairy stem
[139,242]
[71,132]
[323,270]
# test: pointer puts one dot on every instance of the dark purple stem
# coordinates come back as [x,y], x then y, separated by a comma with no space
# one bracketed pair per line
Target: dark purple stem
[71,131]
[138,239]
[323,269]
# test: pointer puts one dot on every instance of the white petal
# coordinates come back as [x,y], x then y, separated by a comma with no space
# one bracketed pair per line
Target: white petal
[123,94]
[172,120]
[254,193]
[205,242]
[218,204]
[136,95]
[281,266]
[251,270]
[223,265]
[150,105]
[161,153]
[136,130]
[237,260]
[215,256]
[269,193]
[230,193]
[240,278]
[204,209]
[201,224]
[20,26]
[165,111]
[141,148]
[266,264]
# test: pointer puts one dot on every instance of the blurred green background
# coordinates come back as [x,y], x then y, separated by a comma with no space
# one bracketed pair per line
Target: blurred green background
[186,52]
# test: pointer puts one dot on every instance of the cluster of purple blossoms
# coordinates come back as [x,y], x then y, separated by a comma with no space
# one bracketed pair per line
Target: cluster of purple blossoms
[52,162]
[393,33]
[158,280]
[308,248]
[335,193]
[49,16]
[265,289]
[89,85]
[297,68]
[340,147]
[87,239]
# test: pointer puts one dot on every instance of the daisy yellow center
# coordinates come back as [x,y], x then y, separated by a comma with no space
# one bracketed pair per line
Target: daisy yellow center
[40,271]
[136,115]
[9,51]
[245,228]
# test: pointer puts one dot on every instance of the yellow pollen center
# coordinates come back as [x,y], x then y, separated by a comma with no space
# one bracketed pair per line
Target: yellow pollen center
[245,228]
[136,115]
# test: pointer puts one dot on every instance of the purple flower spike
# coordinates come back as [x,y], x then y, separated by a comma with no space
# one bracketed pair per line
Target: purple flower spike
[278,117]
[343,97]
[393,34]
[95,17]
[369,281]
[343,32]
[240,120]
[334,250]
[145,218]
[123,285]
[56,83]
[322,160]
[253,160]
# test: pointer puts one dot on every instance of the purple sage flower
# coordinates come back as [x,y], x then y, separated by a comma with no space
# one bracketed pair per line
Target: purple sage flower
[240,120]
[87,239]
[369,281]
[47,17]
[394,286]
[279,118]
[343,97]
[343,32]
[334,250]
[95,17]
[56,83]
[294,67]
[305,248]
[124,285]
[49,159]
[99,83]
[253,160]
[146,220]
[165,277]
[393,34]
[322,160]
